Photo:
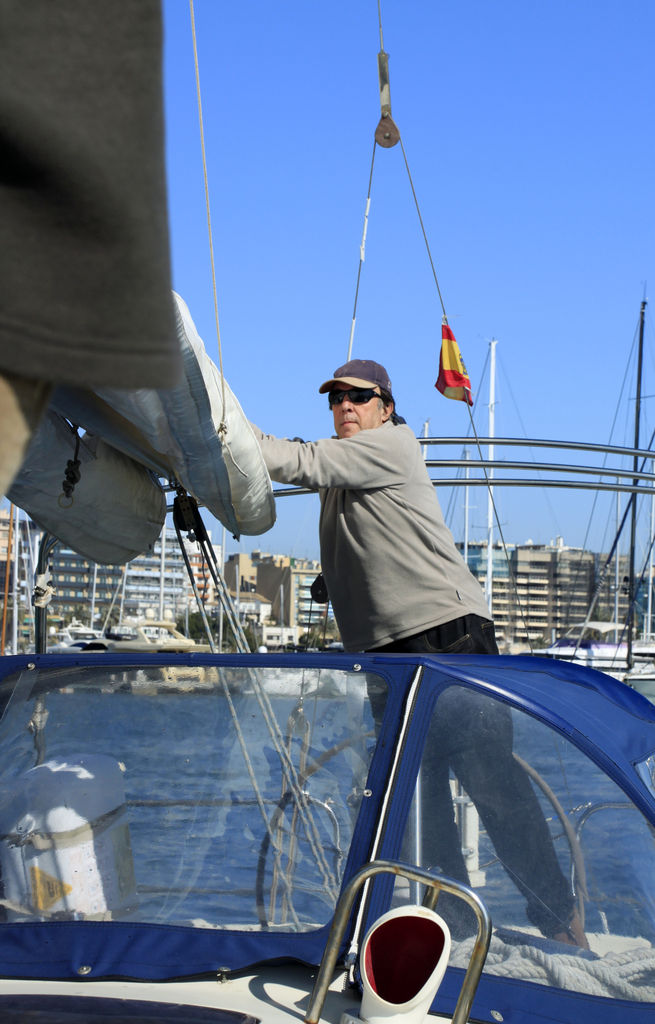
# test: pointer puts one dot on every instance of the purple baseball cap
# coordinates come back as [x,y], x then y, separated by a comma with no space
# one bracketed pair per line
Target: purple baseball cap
[359,373]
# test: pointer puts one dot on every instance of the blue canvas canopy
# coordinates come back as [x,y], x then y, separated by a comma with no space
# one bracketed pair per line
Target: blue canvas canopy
[193,870]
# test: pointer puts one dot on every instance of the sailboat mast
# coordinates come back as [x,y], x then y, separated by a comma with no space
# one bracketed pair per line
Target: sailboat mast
[635,467]
[488,588]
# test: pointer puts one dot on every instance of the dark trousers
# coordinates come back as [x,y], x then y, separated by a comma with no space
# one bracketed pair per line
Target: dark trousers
[473,735]
[470,634]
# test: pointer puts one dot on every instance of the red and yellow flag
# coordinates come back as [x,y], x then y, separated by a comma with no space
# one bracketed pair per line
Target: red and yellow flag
[453,380]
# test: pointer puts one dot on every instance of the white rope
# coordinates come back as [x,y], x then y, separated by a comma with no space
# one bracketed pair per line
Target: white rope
[286,763]
[289,769]
[243,746]
[362,256]
[222,428]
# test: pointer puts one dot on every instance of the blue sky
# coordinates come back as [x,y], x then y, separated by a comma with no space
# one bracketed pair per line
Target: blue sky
[529,134]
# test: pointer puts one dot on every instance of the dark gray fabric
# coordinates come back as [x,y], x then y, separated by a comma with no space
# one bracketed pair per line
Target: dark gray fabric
[85,291]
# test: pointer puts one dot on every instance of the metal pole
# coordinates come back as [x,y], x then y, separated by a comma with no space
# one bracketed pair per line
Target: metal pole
[220,620]
[648,625]
[46,547]
[488,586]
[616,573]
[466,510]
[94,580]
[14,587]
[162,572]
[635,467]
[122,605]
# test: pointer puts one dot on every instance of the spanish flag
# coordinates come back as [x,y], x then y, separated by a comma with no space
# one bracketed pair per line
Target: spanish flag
[453,380]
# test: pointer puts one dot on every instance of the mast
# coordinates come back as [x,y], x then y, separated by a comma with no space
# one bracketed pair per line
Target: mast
[94,581]
[466,509]
[15,586]
[162,571]
[488,586]
[221,614]
[635,468]
[617,582]
[648,624]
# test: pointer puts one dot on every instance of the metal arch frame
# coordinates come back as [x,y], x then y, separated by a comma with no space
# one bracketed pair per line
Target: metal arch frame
[621,476]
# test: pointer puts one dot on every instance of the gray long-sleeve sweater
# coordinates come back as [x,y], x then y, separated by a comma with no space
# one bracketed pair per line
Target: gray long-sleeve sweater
[389,560]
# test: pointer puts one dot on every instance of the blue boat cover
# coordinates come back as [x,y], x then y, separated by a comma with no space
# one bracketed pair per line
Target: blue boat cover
[183,851]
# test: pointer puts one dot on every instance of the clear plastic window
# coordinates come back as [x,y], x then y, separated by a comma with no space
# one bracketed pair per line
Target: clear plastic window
[205,796]
[562,859]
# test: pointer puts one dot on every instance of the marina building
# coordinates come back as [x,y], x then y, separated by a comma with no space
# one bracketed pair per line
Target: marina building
[155,582]
[285,581]
[539,591]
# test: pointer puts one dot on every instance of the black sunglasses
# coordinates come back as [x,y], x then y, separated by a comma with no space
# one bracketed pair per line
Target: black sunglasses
[358,396]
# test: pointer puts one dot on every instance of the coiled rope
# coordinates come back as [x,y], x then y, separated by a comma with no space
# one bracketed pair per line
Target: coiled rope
[629,974]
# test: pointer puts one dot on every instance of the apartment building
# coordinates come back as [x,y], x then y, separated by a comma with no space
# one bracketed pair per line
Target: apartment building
[240,570]
[82,589]
[283,580]
[478,563]
[156,581]
[539,591]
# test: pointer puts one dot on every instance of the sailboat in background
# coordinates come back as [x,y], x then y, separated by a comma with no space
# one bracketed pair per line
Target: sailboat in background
[625,657]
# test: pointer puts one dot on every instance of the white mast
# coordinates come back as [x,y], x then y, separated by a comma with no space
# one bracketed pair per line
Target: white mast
[616,571]
[466,509]
[488,587]
[162,571]
[94,580]
[122,604]
[648,624]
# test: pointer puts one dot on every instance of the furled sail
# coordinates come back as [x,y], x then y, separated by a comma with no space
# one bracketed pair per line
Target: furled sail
[117,509]
[194,434]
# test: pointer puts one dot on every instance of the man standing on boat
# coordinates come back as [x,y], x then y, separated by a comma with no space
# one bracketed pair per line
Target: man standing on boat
[397,583]
[390,564]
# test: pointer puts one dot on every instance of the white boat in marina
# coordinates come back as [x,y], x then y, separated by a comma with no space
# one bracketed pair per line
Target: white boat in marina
[148,636]
[607,655]
[73,634]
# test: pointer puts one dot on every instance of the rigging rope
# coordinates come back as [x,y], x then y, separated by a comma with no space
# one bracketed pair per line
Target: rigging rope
[387,134]
[287,765]
[362,254]
[222,429]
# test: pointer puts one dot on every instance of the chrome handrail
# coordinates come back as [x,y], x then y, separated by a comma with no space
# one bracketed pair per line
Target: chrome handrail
[436,885]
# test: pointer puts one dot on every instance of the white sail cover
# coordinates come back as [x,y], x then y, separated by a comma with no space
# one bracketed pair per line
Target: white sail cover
[175,433]
[117,508]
